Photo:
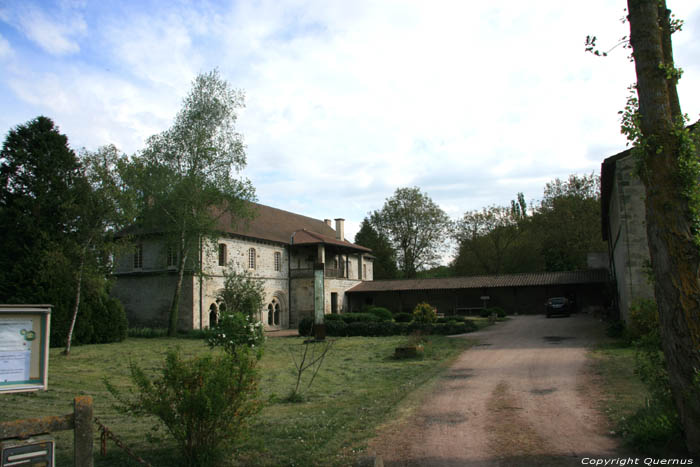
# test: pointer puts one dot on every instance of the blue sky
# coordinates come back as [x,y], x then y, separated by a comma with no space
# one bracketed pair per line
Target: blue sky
[346,101]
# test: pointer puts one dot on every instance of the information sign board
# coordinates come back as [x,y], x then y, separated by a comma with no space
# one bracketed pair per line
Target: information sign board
[24,347]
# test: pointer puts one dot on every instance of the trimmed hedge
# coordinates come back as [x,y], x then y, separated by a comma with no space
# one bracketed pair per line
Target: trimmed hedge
[486,312]
[305,326]
[388,328]
[382,313]
[403,317]
[359,317]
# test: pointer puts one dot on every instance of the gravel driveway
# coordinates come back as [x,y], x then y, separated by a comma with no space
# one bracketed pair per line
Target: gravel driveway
[520,397]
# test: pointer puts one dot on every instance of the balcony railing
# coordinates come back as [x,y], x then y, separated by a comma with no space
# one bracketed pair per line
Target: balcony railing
[329,273]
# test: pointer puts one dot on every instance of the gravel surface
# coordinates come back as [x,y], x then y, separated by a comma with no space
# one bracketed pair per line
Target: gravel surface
[522,396]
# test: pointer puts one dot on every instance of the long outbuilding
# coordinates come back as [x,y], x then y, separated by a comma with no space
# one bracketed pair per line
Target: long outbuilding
[516,293]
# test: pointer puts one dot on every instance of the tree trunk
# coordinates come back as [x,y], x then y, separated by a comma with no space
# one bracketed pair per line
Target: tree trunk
[175,304]
[675,256]
[77,300]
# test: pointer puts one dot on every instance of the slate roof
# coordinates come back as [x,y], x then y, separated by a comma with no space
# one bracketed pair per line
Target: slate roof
[592,276]
[305,237]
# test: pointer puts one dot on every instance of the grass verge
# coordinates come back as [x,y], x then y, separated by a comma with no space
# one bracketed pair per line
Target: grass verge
[357,388]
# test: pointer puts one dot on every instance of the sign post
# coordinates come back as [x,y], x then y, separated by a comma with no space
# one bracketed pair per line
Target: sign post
[24,347]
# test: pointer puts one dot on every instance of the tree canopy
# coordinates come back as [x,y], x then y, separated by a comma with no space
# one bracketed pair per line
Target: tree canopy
[53,232]
[415,227]
[184,180]
[384,264]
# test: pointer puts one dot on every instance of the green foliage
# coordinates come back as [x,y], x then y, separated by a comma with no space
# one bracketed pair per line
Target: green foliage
[415,227]
[359,317]
[236,330]
[183,182]
[403,317]
[424,313]
[388,328]
[306,326]
[384,264]
[382,313]
[242,293]
[56,214]
[498,311]
[615,329]
[204,403]
[643,321]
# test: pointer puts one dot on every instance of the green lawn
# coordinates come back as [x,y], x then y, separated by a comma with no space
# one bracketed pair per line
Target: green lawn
[356,390]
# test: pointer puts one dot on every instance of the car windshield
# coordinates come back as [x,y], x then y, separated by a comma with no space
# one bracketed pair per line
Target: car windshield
[557,301]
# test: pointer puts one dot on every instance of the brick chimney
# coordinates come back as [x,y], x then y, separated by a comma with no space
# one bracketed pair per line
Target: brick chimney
[340,229]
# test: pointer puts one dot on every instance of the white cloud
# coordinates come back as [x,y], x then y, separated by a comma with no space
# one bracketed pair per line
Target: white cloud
[5,48]
[346,101]
[54,35]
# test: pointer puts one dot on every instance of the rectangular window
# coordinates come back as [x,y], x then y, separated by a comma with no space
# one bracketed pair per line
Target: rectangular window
[222,254]
[251,258]
[138,256]
[278,261]
[364,272]
[171,258]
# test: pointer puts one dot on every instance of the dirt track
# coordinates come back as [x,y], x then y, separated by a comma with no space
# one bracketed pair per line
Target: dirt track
[520,397]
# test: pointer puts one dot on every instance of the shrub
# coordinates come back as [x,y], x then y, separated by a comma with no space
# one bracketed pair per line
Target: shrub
[500,312]
[306,325]
[359,317]
[204,403]
[643,319]
[148,333]
[615,329]
[236,330]
[403,317]
[424,313]
[242,293]
[110,323]
[382,313]
[484,312]
[450,319]
[332,317]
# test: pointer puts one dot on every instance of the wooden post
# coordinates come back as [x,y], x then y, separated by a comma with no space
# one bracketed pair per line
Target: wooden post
[82,433]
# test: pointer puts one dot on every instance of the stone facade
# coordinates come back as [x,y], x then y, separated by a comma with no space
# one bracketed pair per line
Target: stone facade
[624,228]
[145,279]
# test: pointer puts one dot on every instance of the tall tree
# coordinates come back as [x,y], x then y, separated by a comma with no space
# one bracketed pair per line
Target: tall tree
[384,265]
[185,176]
[670,173]
[416,228]
[45,198]
[487,239]
[568,222]
[103,211]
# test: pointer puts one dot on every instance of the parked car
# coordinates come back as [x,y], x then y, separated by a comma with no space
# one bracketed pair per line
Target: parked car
[557,306]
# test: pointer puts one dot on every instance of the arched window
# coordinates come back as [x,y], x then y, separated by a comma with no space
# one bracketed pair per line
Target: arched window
[278,261]
[251,258]
[212,315]
[270,314]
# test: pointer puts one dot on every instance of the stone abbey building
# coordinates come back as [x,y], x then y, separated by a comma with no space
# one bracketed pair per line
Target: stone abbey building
[278,247]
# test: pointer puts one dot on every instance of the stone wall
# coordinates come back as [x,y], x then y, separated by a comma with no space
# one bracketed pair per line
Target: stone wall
[630,252]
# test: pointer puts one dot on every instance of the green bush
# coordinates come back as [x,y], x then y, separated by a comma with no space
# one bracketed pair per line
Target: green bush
[332,317]
[643,320]
[204,403]
[450,319]
[388,328]
[424,313]
[485,312]
[236,330]
[615,329]
[652,427]
[382,313]
[110,323]
[359,317]
[148,333]
[403,317]
[306,326]
[500,312]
